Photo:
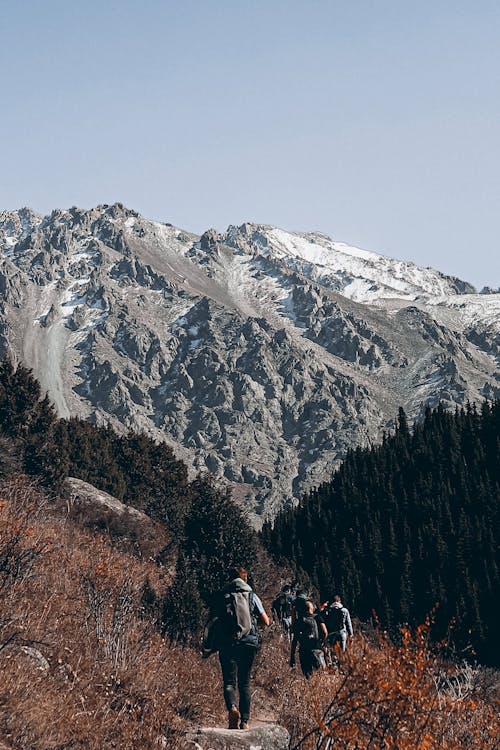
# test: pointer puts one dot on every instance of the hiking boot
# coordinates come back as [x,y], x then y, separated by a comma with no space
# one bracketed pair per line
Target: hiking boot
[243,724]
[233,717]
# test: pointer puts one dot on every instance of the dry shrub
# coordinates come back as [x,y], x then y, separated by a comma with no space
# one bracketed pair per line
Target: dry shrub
[272,676]
[82,664]
[391,697]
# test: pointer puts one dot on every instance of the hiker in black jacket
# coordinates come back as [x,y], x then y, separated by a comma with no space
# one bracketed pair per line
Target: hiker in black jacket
[308,630]
[281,609]
[240,610]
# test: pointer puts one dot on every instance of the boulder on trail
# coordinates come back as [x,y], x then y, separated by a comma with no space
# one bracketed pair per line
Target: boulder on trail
[260,738]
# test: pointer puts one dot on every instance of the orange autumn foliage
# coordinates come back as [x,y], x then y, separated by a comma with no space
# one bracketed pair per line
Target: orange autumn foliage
[393,697]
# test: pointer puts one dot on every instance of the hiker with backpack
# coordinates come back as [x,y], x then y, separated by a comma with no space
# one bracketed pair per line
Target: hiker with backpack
[238,610]
[338,623]
[299,605]
[281,609]
[308,630]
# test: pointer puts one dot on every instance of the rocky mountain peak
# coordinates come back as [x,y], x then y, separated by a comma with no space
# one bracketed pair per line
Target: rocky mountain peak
[260,355]
[16,225]
[358,274]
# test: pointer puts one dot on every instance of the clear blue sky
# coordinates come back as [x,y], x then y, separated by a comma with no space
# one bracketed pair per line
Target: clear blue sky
[376,122]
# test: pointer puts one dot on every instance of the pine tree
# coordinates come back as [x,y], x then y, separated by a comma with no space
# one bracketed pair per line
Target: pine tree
[183,613]
[217,535]
[410,524]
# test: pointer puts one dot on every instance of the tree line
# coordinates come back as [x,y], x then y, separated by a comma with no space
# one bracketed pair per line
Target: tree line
[210,532]
[410,528]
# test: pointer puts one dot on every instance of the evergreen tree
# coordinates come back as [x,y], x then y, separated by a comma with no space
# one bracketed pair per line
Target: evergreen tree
[410,524]
[183,611]
[217,535]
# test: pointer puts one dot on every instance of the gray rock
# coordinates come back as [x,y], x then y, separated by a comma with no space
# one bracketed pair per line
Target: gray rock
[37,657]
[259,738]
[83,494]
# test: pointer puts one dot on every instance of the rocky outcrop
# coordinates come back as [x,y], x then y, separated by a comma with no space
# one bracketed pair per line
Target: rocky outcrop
[85,495]
[93,508]
[260,355]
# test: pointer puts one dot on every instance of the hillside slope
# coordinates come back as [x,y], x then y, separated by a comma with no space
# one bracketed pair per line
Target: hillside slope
[84,666]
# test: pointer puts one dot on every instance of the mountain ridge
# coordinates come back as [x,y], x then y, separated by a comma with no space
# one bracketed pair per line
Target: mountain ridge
[259,355]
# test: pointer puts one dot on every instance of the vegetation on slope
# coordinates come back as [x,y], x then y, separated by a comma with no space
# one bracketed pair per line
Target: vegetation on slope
[91,611]
[84,665]
[410,525]
[82,659]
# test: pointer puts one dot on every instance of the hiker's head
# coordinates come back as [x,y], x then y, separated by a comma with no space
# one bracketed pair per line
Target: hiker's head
[309,607]
[286,589]
[237,572]
[336,599]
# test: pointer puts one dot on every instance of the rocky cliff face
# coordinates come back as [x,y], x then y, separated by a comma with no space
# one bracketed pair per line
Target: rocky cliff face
[260,355]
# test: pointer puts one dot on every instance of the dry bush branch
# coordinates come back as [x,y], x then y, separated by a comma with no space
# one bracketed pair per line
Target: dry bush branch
[385,696]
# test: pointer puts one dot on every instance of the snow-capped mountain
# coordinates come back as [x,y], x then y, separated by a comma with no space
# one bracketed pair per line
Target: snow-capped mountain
[260,355]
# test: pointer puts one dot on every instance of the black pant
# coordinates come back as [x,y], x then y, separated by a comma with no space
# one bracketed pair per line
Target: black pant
[311,659]
[236,664]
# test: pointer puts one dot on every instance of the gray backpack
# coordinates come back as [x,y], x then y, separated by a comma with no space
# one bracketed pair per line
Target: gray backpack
[240,625]
[335,619]
[238,619]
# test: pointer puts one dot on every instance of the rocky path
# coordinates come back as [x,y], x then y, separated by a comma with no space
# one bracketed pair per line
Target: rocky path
[271,737]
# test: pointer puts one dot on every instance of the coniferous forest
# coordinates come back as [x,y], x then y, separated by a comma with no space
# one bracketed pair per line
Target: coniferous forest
[410,528]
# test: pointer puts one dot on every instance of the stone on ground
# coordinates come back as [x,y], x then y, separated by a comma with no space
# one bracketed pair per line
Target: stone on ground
[258,738]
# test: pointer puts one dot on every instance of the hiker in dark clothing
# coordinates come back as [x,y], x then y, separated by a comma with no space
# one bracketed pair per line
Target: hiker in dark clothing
[308,632]
[299,605]
[240,609]
[281,609]
[338,623]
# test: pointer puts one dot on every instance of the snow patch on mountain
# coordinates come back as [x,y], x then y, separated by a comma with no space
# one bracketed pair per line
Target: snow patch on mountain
[358,274]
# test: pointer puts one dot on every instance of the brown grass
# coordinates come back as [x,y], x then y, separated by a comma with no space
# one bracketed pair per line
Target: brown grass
[83,665]
[69,597]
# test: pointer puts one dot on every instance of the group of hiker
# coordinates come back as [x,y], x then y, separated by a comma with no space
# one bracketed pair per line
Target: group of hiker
[233,632]
[315,630]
